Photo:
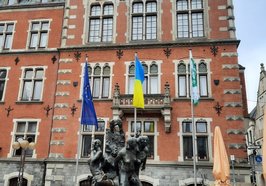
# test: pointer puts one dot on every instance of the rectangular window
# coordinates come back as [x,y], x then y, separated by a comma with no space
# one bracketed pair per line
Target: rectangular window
[87,136]
[146,128]
[25,130]
[189,17]
[202,140]
[100,80]
[6,35]
[182,84]
[38,34]
[3,80]
[101,23]
[144,21]
[32,84]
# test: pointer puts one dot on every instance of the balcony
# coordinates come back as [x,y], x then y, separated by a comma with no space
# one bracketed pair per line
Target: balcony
[154,104]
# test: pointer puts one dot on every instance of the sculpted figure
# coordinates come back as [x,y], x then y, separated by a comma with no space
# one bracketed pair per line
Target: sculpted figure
[143,142]
[115,141]
[96,162]
[126,162]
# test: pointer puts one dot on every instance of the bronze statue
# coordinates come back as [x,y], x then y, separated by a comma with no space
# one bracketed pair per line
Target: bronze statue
[120,164]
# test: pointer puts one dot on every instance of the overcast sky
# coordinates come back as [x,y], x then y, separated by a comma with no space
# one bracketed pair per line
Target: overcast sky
[250,20]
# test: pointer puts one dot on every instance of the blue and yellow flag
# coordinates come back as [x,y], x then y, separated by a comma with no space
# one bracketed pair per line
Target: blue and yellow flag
[88,114]
[138,97]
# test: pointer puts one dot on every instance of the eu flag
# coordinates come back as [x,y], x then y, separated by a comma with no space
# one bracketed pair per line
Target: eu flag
[88,115]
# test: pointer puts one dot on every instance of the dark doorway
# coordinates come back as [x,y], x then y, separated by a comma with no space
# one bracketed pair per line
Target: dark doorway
[146,183]
[85,183]
[14,182]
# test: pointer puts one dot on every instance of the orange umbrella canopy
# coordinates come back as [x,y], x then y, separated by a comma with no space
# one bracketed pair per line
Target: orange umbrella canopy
[221,167]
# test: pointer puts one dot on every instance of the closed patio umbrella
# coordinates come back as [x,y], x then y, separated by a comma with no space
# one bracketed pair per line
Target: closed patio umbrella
[221,167]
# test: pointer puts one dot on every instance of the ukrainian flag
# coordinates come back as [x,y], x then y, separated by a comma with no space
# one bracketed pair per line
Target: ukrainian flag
[138,97]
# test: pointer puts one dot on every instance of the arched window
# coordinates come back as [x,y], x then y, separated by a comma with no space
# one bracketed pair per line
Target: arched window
[14,182]
[189,12]
[101,23]
[182,80]
[203,79]
[144,21]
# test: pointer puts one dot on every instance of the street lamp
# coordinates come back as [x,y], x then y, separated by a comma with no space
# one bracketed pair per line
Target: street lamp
[24,144]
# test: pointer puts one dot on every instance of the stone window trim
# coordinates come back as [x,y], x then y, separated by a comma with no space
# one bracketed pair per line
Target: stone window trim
[148,63]
[180,134]
[3,82]
[93,65]
[186,74]
[11,175]
[21,79]
[144,14]
[104,19]
[13,134]
[7,34]
[38,33]
[155,134]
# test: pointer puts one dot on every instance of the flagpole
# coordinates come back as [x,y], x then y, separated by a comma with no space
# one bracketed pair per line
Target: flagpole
[194,139]
[135,121]
[78,154]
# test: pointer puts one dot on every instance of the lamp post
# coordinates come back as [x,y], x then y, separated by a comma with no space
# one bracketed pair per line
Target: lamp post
[24,144]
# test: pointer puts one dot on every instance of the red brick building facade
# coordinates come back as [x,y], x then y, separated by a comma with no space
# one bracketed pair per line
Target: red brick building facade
[43,49]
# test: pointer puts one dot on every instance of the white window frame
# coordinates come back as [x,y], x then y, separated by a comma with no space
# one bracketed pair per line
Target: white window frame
[101,65]
[39,31]
[158,19]
[100,17]
[13,133]
[4,35]
[148,63]
[93,133]
[180,134]
[186,62]
[155,134]
[6,81]
[22,80]
[174,21]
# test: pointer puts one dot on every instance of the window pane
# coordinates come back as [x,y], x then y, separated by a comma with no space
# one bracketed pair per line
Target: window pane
[107,29]
[137,28]
[145,85]
[187,147]
[101,126]
[43,39]
[28,73]
[106,70]
[137,8]
[182,25]
[1,40]
[86,145]
[197,25]
[97,70]
[106,85]
[8,41]
[26,93]
[154,69]
[2,74]
[131,85]
[187,127]
[95,10]
[154,85]
[39,74]
[87,128]
[138,126]
[45,26]
[2,26]
[151,7]
[182,5]
[182,90]
[96,87]
[203,85]
[196,4]
[34,40]
[201,127]
[94,30]
[32,126]
[151,27]
[202,148]
[37,90]
[108,10]
[35,26]
[2,86]
[151,147]
[148,126]
[21,126]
